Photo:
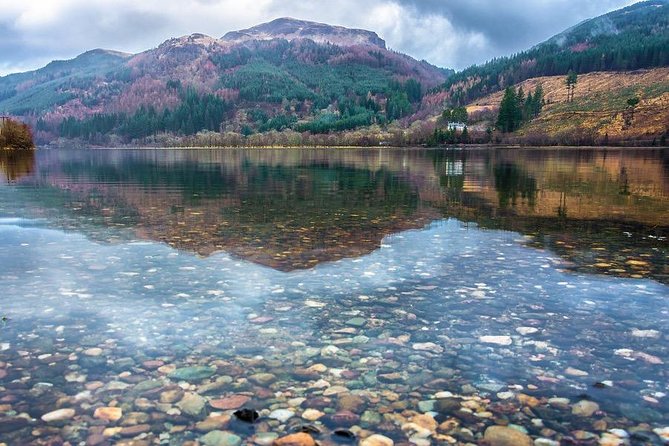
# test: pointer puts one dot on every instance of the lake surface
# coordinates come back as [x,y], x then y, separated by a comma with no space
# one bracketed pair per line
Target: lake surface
[423,295]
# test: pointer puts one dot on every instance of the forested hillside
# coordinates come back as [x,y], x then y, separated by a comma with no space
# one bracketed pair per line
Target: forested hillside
[632,38]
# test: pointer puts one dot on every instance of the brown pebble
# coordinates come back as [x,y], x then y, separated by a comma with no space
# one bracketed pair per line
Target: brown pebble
[153,364]
[96,440]
[300,439]
[230,402]
[132,431]
[213,423]
[600,425]
[506,436]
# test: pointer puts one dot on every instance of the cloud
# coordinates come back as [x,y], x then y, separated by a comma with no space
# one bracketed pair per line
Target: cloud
[450,33]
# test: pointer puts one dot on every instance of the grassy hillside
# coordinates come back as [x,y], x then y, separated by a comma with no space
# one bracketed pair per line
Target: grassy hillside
[600,107]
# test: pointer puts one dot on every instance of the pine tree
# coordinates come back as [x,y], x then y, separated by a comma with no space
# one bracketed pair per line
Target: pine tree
[572,79]
[528,107]
[520,103]
[538,100]
[464,137]
[508,111]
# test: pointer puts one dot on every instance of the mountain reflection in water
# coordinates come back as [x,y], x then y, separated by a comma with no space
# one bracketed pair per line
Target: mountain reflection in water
[602,211]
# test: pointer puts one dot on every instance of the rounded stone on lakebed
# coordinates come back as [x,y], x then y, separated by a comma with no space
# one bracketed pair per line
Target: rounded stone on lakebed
[498,340]
[299,439]
[94,351]
[212,423]
[262,379]
[230,402]
[377,440]
[196,373]
[282,415]
[265,438]
[132,431]
[585,408]
[153,364]
[312,414]
[506,436]
[192,404]
[58,415]
[220,438]
[108,413]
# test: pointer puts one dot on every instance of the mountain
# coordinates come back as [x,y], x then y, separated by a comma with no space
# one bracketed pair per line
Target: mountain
[635,37]
[291,29]
[283,74]
[51,86]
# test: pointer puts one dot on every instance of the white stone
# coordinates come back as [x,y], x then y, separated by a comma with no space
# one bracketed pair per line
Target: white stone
[499,340]
[428,346]
[646,333]
[545,442]
[312,414]
[662,432]
[377,440]
[526,330]
[575,372]
[621,433]
[282,415]
[58,415]
[330,350]
[443,394]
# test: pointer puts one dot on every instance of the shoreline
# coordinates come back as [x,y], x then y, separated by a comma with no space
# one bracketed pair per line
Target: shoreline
[455,147]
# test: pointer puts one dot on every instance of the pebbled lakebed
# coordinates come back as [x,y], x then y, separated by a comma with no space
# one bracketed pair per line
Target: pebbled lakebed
[194,309]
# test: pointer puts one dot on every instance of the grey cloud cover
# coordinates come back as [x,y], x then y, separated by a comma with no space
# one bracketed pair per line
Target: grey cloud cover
[449,33]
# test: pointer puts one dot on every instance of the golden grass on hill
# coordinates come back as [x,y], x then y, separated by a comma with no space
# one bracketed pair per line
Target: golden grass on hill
[599,104]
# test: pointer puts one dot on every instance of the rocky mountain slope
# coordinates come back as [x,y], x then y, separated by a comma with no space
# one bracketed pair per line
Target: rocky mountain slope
[292,29]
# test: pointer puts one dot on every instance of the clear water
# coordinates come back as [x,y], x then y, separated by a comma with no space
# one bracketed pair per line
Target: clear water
[405,273]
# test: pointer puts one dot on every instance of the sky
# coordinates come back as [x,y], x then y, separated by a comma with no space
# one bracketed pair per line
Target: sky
[447,33]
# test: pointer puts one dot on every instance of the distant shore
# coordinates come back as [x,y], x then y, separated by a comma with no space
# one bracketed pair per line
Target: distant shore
[387,147]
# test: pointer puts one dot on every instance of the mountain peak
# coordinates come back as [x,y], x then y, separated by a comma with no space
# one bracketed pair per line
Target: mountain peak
[103,53]
[293,29]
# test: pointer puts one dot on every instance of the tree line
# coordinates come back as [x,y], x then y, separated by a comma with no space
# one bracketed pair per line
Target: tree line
[195,113]
[208,112]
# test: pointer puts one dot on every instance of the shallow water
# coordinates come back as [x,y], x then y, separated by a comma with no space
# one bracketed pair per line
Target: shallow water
[371,286]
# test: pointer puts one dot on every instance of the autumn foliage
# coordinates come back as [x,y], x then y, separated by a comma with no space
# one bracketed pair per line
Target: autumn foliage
[15,135]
